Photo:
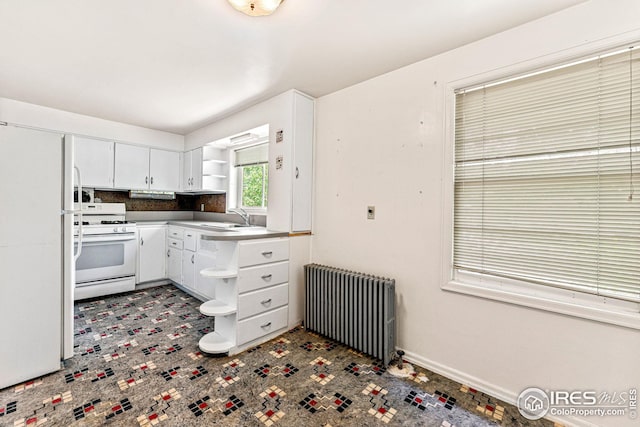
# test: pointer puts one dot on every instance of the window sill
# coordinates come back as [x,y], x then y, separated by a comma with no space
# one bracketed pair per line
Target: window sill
[556,302]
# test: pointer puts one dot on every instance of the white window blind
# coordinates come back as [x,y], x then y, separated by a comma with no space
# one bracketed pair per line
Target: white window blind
[253,155]
[544,171]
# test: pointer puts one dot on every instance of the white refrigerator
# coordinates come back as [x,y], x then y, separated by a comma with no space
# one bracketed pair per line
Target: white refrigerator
[36,252]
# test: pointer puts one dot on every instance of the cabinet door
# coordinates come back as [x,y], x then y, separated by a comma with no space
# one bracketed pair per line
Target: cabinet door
[164,170]
[174,264]
[192,170]
[151,253]
[302,185]
[186,171]
[196,169]
[188,269]
[131,167]
[94,158]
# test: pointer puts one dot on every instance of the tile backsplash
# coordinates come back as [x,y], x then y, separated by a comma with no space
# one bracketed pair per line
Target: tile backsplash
[182,202]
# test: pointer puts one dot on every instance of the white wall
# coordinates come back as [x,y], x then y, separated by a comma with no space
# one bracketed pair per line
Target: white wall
[382,143]
[49,118]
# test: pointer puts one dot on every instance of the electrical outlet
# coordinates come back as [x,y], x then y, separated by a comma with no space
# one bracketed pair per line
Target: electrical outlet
[371,212]
[279,136]
[202,207]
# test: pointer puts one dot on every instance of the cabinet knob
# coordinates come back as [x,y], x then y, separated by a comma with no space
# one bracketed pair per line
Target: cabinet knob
[152,180]
[146,179]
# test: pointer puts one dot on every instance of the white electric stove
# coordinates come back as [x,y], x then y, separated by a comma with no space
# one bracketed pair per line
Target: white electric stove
[108,250]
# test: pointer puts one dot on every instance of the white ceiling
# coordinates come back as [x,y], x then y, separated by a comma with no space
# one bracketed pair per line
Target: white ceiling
[176,65]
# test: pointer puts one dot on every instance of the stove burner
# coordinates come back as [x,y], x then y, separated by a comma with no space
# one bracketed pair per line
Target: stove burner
[113,222]
[83,222]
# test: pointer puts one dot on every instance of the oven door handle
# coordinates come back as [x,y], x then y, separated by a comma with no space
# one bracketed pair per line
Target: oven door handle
[99,238]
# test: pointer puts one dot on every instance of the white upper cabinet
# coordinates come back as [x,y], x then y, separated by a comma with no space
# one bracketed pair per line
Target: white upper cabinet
[142,168]
[192,170]
[164,170]
[94,158]
[131,167]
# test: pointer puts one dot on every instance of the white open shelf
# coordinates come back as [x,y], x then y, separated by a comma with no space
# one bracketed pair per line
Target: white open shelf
[215,343]
[217,273]
[214,176]
[215,161]
[217,308]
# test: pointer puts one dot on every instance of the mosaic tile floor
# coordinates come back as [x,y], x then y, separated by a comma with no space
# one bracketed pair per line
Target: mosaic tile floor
[137,364]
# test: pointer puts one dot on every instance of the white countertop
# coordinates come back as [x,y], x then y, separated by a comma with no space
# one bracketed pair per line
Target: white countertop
[215,231]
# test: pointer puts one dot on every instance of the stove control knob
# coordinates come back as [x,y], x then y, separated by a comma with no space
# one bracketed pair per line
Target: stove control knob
[124,229]
[115,229]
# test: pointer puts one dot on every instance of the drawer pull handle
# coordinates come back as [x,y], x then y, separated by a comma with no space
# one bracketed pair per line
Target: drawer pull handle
[267,253]
[266,325]
[267,276]
[265,302]
[188,235]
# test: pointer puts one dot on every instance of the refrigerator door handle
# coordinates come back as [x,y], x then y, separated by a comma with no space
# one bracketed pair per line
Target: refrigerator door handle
[79,212]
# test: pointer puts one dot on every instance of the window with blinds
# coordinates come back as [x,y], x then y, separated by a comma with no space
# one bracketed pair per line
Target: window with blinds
[253,155]
[545,168]
[252,166]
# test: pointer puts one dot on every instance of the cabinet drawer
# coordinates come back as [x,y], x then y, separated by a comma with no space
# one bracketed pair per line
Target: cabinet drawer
[262,276]
[190,240]
[257,302]
[174,243]
[176,233]
[263,324]
[263,251]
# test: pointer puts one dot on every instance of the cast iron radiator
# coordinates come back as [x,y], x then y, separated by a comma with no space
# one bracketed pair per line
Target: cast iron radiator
[355,309]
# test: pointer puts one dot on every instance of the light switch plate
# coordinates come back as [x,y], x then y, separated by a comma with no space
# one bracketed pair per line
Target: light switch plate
[279,136]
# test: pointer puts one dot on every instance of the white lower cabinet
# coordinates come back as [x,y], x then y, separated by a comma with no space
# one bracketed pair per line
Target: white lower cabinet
[247,282]
[174,264]
[189,269]
[152,242]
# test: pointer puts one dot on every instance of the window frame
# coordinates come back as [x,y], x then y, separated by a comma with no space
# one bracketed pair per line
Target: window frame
[567,302]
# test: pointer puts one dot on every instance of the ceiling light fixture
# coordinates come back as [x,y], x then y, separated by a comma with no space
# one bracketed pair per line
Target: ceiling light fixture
[256,7]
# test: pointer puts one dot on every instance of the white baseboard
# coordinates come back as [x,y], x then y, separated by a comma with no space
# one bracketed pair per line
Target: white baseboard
[484,386]
[148,285]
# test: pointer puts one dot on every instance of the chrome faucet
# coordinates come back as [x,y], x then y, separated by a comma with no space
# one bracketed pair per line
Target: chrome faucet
[242,213]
